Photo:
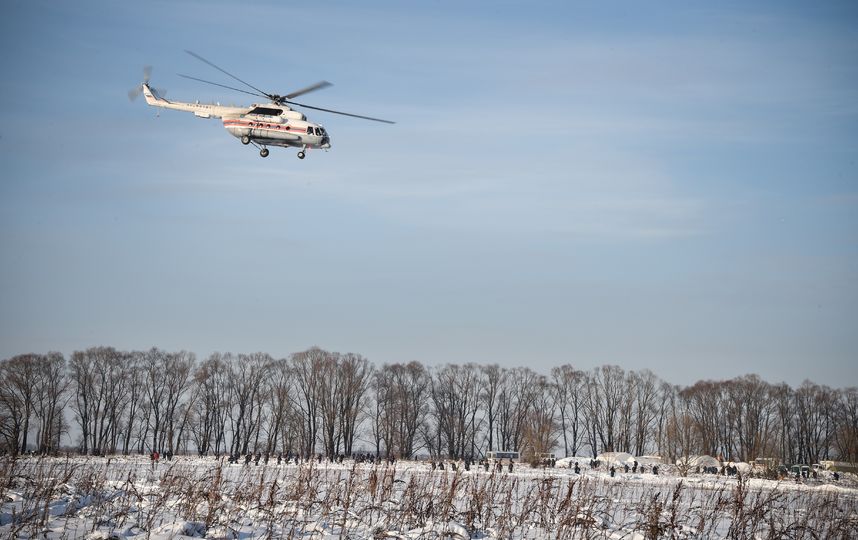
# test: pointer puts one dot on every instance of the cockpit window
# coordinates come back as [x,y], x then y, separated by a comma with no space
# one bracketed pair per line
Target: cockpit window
[309,130]
[318,131]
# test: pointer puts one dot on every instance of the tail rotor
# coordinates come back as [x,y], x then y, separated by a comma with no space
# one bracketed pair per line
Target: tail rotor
[135,92]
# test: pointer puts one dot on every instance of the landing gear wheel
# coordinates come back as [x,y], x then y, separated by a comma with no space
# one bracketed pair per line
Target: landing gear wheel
[245,139]
[301,155]
[263,152]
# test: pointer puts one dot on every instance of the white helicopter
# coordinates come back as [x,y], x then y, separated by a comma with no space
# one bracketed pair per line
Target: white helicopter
[262,125]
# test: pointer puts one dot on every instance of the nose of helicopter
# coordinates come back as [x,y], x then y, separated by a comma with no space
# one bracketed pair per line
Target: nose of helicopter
[326,142]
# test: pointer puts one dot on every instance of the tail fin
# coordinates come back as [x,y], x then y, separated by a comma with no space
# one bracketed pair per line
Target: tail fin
[151,95]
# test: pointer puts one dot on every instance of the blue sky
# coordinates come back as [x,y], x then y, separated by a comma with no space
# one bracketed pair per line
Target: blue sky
[668,185]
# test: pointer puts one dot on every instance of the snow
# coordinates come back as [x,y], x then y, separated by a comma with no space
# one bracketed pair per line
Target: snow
[123,497]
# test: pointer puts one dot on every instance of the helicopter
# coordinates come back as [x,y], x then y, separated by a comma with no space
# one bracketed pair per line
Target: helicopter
[274,123]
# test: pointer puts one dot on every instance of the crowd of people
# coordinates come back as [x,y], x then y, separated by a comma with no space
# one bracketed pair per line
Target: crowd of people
[455,465]
[155,457]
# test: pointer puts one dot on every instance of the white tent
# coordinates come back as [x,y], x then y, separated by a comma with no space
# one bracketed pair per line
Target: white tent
[649,460]
[698,461]
[616,457]
[741,466]
[569,462]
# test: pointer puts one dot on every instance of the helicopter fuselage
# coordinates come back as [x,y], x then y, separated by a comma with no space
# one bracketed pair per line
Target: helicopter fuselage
[283,128]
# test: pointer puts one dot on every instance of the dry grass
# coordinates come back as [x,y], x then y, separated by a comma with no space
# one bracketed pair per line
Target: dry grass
[384,501]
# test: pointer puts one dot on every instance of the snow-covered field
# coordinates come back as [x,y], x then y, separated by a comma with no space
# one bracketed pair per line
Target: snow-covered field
[123,497]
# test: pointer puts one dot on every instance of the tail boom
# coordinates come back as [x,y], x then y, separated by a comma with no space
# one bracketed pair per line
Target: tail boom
[201,110]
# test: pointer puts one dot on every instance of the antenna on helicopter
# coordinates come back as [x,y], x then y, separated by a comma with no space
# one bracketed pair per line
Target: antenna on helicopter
[275,98]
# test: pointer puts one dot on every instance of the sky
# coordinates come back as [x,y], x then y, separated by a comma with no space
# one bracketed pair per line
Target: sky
[658,185]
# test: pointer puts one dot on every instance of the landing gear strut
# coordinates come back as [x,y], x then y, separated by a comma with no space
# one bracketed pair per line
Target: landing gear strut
[245,139]
[263,152]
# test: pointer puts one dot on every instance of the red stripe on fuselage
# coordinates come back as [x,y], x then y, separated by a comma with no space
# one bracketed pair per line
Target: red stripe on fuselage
[260,125]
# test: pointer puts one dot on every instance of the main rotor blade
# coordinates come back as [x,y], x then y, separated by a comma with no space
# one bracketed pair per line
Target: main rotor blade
[221,85]
[200,58]
[312,88]
[339,112]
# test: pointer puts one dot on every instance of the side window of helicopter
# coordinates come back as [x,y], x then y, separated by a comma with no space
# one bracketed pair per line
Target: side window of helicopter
[309,130]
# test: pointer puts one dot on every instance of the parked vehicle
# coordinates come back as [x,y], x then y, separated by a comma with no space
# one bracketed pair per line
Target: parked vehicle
[504,457]
[840,466]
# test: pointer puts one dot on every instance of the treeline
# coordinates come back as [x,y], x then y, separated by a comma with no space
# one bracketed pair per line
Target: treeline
[104,401]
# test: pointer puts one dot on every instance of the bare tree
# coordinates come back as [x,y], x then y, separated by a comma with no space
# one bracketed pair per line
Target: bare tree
[247,380]
[846,434]
[540,431]
[154,362]
[330,392]
[646,396]
[21,375]
[133,374]
[604,397]
[516,398]
[493,379]
[400,408]
[704,404]
[455,394]
[308,366]
[212,381]
[783,399]
[17,377]
[680,433]
[279,402]
[177,374]
[355,373]
[569,384]
[626,413]
[752,410]
[382,409]
[666,398]
[50,399]
[814,409]
[100,397]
